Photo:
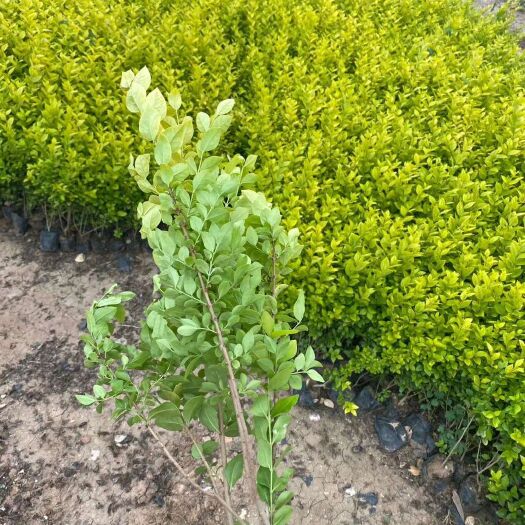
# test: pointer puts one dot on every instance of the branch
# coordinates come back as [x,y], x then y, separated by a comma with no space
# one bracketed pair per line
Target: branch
[490,464]
[458,441]
[224,460]
[247,450]
[206,464]
[192,482]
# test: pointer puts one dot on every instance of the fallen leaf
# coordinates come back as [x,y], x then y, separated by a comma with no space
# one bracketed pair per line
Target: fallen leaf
[414,470]
[457,503]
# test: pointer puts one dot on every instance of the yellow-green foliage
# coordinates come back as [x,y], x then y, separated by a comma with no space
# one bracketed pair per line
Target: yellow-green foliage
[391,132]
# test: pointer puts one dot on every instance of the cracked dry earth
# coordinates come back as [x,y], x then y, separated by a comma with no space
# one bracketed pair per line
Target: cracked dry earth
[61,464]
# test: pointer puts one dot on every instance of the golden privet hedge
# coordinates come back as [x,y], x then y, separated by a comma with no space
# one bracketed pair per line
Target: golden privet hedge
[391,132]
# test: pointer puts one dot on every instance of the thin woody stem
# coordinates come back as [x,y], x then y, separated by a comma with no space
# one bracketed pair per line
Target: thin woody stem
[239,413]
[458,441]
[206,464]
[247,450]
[192,482]
[224,458]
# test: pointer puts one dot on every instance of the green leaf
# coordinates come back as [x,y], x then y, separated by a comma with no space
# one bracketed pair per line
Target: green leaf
[163,150]
[248,341]
[234,469]
[136,98]
[85,400]
[192,407]
[261,406]
[186,330]
[209,417]
[210,140]
[99,391]
[251,236]
[284,498]
[284,405]
[174,99]
[309,357]
[264,453]
[280,380]
[263,483]
[207,448]
[280,427]
[167,415]
[126,79]
[298,307]
[203,122]
[225,106]
[196,223]
[296,382]
[267,365]
[267,322]
[283,515]
[142,165]
[143,78]
[208,240]
[299,362]
[289,352]
[189,326]
[150,215]
[152,113]
[314,375]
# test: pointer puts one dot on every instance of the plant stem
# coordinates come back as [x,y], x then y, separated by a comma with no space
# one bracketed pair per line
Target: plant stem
[458,441]
[178,466]
[224,459]
[490,464]
[247,449]
[270,440]
[206,464]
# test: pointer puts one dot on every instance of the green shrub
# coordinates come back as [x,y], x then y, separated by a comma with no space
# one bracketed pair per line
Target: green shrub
[64,141]
[391,132]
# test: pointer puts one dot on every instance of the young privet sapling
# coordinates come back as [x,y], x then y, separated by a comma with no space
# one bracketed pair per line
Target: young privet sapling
[215,349]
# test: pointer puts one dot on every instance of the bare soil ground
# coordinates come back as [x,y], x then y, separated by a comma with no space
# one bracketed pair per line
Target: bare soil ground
[60,464]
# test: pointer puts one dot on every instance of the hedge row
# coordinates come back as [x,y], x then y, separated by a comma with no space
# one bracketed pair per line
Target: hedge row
[391,132]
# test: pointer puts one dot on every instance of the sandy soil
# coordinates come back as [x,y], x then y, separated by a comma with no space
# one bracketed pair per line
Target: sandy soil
[60,464]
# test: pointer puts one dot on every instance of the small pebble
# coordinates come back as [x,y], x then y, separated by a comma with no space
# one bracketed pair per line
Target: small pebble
[159,500]
[85,440]
[95,454]
[308,479]
[315,417]
[80,258]
[122,439]
[328,403]
[368,498]
[350,492]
